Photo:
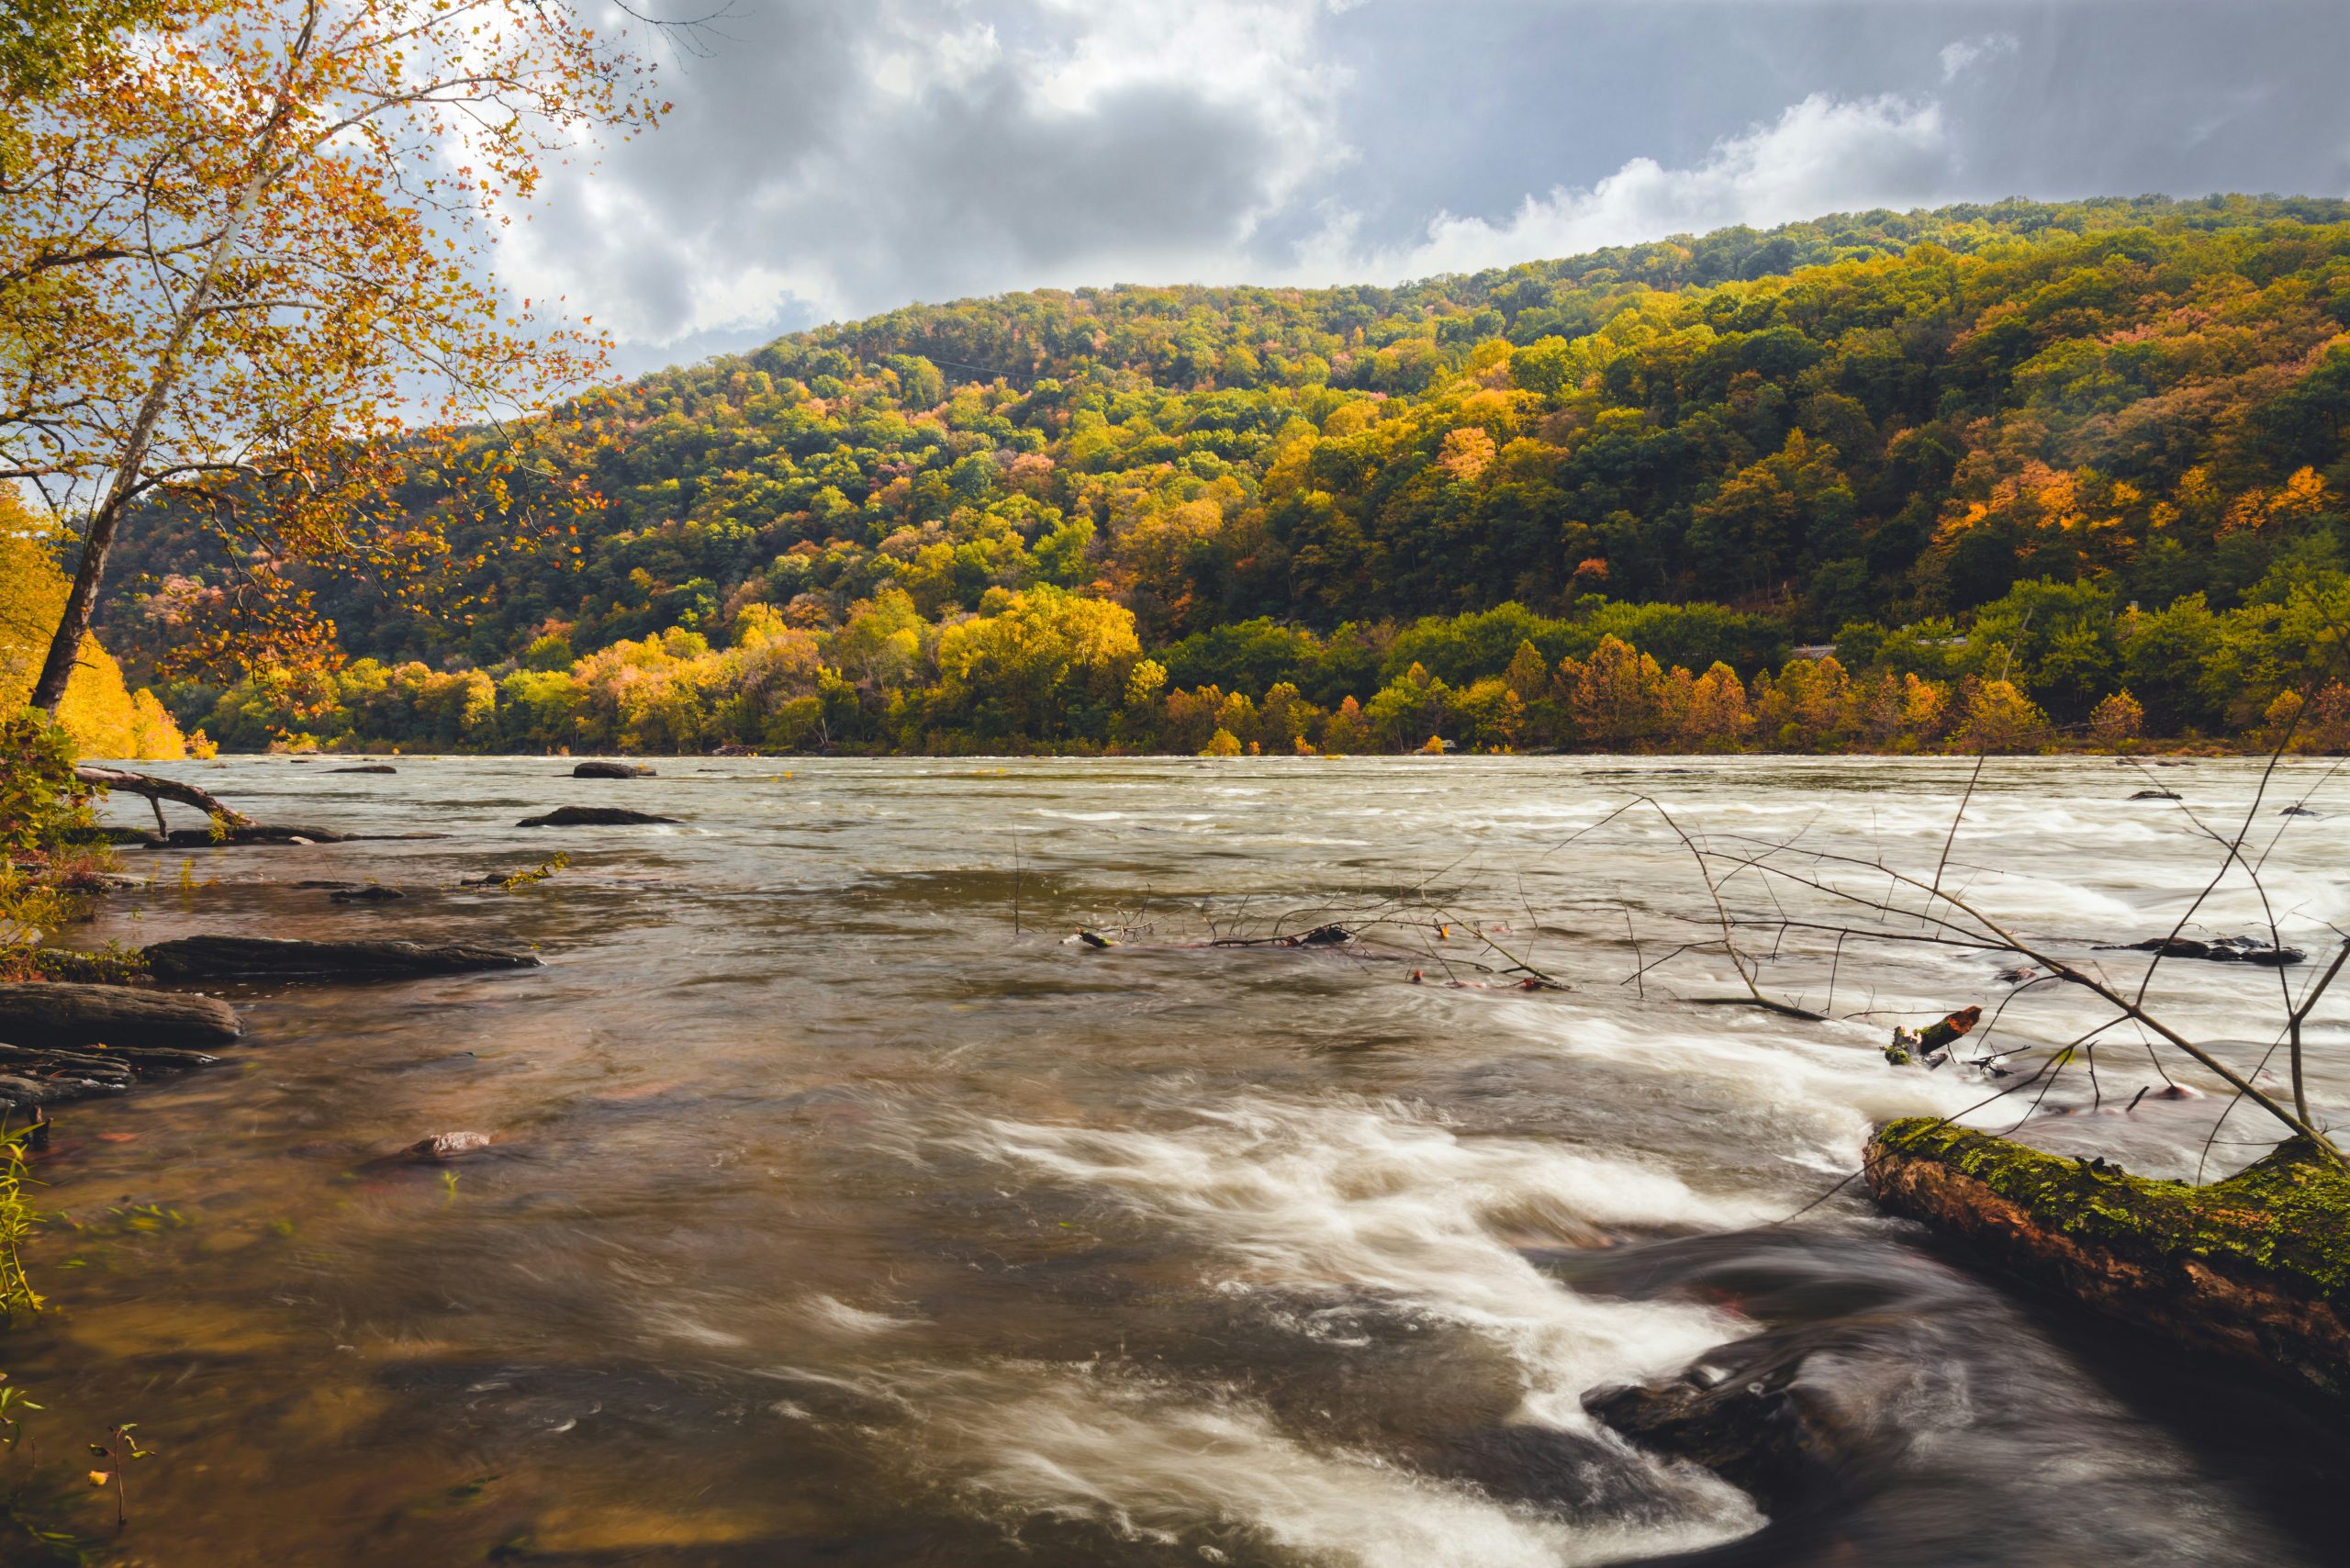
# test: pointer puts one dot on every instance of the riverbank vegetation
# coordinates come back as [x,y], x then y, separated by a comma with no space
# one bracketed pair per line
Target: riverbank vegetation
[1043,668]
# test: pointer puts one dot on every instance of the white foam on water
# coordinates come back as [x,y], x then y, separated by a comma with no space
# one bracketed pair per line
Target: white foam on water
[1388,1200]
[1148,1468]
[1826,1096]
[833,1312]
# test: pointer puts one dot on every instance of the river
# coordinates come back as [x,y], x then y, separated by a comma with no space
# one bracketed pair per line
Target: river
[845,1210]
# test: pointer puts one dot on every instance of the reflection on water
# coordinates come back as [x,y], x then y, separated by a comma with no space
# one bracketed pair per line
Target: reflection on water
[832,1219]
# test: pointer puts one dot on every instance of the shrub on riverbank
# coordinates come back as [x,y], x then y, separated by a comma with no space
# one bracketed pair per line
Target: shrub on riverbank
[48,868]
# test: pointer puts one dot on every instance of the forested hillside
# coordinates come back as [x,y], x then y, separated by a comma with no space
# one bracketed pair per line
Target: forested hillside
[2083,448]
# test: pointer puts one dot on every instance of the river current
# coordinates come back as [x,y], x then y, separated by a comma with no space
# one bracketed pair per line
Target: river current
[843,1208]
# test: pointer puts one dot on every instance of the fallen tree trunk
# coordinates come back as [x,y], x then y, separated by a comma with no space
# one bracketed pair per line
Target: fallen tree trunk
[157,790]
[2254,1270]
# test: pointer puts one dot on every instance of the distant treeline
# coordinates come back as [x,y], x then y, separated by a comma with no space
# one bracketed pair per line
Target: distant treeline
[1881,419]
[1044,669]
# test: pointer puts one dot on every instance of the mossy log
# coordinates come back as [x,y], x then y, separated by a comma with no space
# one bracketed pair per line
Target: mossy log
[2254,1270]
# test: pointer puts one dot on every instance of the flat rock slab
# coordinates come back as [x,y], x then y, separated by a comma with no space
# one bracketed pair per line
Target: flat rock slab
[272,958]
[203,838]
[55,1014]
[121,835]
[273,837]
[369,767]
[17,1092]
[592,816]
[597,768]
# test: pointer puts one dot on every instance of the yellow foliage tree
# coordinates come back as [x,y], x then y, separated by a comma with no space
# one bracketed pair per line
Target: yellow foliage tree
[1616,697]
[2000,718]
[2117,722]
[104,717]
[1716,718]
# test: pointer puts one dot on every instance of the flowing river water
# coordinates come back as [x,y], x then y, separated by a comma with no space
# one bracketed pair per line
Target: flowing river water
[842,1210]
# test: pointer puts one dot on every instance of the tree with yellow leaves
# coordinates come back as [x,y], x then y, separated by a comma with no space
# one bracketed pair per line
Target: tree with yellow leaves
[104,716]
[281,213]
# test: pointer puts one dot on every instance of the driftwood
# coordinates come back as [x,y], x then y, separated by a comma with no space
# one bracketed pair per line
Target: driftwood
[157,790]
[56,1015]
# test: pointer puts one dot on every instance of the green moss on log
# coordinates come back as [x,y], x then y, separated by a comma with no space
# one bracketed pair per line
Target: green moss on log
[2284,1218]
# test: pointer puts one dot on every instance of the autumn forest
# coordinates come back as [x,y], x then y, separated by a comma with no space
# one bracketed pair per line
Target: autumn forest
[2032,470]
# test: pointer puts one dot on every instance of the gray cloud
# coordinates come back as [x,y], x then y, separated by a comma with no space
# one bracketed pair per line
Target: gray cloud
[828,160]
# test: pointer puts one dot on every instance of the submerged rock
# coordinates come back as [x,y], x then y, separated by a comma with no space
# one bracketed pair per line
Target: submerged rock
[56,1075]
[55,1014]
[2254,1270]
[2155,795]
[107,1059]
[373,893]
[2224,950]
[601,767]
[17,1092]
[1781,1417]
[366,768]
[592,816]
[271,957]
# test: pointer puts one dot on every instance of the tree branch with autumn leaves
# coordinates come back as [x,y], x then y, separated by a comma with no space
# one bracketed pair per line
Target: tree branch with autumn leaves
[248,266]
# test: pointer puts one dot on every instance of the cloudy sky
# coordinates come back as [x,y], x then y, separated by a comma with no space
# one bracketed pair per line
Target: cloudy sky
[832,158]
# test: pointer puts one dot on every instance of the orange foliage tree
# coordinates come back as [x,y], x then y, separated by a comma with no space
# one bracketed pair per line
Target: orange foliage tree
[280,215]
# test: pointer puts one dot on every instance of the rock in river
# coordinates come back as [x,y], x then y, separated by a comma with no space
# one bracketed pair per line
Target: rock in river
[204,839]
[601,767]
[271,957]
[17,1092]
[592,816]
[442,1147]
[1789,1417]
[54,1015]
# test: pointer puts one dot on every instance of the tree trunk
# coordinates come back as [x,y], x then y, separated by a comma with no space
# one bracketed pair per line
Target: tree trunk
[65,646]
[157,790]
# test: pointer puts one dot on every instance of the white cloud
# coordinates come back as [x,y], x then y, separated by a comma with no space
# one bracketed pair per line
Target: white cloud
[1822,155]
[1968,53]
[905,149]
